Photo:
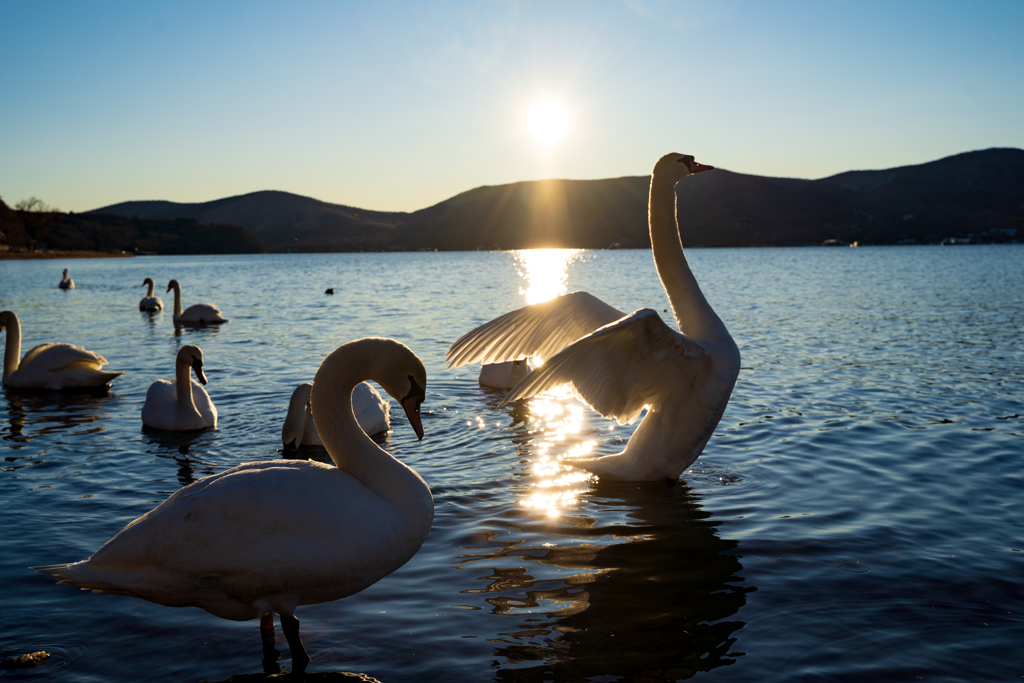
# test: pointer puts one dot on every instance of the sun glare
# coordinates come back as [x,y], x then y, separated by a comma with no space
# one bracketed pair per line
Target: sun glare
[548,122]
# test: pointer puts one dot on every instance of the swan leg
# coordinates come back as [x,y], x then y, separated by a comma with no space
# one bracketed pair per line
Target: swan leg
[270,653]
[290,626]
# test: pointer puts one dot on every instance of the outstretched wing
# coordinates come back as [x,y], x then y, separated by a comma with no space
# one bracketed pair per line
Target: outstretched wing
[541,329]
[622,367]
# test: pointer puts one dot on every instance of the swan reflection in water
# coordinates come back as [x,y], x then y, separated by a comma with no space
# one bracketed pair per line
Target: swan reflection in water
[33,414]
[187,449]
[653,594]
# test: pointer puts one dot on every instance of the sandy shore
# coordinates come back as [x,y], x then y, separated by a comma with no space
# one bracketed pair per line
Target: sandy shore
[21,255]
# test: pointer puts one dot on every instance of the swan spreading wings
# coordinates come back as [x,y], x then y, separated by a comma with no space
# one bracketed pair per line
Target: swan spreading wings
[620,364]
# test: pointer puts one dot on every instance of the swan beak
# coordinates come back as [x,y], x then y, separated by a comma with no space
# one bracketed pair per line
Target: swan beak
[197,365]
[411,404]
[696,167]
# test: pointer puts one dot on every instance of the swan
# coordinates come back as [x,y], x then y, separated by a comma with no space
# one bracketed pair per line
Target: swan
[196,314]
[266,537]
[50,366]
[372,412]
[619,364]
[66,282]
[505,375]
[180,411]
[150,302]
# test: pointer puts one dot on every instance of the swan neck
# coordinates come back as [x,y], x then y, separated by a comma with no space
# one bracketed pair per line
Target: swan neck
[692,312]
[177,300]
[183,385]
[150,290]
[12,346]
[349,447]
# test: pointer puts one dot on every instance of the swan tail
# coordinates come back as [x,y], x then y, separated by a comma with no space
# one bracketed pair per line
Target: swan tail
[95,579]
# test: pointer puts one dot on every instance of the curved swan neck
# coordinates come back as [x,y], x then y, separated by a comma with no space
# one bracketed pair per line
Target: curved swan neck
[350,448]
[12,348]
[183,389]
[151,289]
[177,299]
[692,312]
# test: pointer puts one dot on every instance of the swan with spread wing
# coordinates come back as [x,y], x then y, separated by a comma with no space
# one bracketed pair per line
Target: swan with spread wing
[620,364]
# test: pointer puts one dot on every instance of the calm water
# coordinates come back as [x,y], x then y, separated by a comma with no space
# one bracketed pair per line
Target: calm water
[857,516]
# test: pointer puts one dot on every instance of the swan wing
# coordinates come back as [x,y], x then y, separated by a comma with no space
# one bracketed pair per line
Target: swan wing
[631,363]
[55,357]
[541,329]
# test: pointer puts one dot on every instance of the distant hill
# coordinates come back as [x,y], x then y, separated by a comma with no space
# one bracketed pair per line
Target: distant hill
[976,193]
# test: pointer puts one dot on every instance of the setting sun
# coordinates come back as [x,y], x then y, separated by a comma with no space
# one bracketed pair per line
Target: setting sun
[547,122]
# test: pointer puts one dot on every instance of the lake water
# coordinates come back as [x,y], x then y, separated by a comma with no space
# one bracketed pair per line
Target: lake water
[857,515]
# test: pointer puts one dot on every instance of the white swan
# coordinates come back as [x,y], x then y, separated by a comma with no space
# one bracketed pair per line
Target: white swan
[372,411]
[267,537]
[196,314]
[168,407]
[150,302]
[620,364]
[50,366]
[504,375]
[66,282]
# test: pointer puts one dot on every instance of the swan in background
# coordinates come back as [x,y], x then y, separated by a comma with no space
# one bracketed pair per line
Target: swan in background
[266,537]
[50,366]
[181,404]
[150,302]
[505,375]
[620,364]
[196,314]
[66,282]
[372,411]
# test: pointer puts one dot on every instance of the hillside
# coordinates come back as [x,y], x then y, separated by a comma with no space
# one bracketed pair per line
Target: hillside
[976,193]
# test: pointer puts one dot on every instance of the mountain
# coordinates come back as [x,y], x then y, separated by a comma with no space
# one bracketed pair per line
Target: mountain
[978,194]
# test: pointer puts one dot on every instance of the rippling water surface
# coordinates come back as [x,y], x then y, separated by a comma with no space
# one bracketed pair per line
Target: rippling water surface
[857,515]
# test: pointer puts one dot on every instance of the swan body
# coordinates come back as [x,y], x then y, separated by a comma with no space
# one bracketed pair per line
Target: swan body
[372,411]
[170,408]
[621,364]
[50,366]
[505,375]
[150,302]
[66,282]
[267,537]
[196,314]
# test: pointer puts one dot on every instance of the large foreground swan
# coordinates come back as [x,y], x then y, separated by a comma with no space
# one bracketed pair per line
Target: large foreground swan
[620,364]
[267,537]
[65,281]
[181,404]
[151,302]
[50,366]
[196,314]
[372,411]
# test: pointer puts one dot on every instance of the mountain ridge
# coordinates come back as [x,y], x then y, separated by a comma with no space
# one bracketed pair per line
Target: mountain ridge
[972,193]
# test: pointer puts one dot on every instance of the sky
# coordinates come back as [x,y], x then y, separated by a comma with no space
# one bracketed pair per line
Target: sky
[397,106]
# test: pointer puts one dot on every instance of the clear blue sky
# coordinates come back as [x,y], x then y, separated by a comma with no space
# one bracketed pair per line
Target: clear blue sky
[397,106]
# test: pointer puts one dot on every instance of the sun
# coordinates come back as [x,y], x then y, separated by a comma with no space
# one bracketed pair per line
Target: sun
[548,122]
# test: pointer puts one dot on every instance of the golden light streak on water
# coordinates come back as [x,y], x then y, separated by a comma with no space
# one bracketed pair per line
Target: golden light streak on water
[545,272]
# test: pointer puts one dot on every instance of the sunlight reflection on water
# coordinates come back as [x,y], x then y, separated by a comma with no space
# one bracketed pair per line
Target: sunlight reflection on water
[556,416]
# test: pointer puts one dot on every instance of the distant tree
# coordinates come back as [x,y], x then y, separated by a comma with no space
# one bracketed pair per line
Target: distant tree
[32,204]
[12,229]
[37,218]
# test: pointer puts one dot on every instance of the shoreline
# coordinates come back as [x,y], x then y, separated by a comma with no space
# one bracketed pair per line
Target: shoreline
[38,255]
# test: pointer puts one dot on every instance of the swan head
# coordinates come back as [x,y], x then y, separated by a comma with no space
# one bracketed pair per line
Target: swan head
[678,166]
[147,281]
[291,432]
[389,363]
[192,356]
[173,284]
[6,317]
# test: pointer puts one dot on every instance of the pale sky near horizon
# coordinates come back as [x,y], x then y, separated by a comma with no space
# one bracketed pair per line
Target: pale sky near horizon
[397,106]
